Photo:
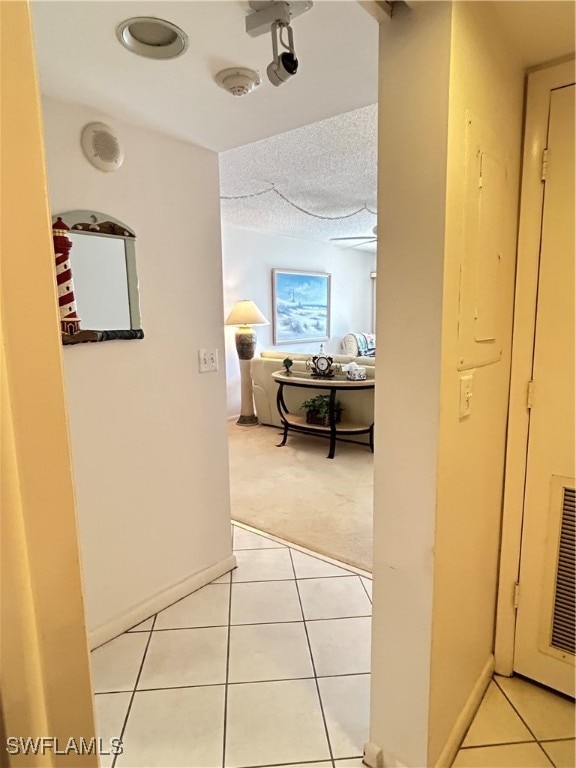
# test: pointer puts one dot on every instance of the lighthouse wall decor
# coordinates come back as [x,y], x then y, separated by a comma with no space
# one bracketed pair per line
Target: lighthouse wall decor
[83,266]
[300,306]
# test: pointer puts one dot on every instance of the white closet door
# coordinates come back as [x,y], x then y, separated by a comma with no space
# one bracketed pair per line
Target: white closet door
[544,646]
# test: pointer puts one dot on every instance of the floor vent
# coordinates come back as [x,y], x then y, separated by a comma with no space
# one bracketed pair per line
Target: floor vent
[564,619]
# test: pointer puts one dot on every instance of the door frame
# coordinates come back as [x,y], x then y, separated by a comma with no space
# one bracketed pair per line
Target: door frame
[539,84]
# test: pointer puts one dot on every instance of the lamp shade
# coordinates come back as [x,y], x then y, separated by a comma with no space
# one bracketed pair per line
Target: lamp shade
[245,312]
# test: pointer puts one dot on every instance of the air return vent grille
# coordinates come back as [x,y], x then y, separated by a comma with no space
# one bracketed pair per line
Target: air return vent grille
[564,619]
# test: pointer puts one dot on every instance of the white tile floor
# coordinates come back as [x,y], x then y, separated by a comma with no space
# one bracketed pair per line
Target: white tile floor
[519,725]
[270,665]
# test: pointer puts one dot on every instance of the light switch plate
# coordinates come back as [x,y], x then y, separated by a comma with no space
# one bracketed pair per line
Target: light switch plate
[466,381]
[207,360]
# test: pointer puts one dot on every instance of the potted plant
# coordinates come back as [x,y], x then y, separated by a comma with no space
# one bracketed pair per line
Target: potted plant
[288,363]
[317,410]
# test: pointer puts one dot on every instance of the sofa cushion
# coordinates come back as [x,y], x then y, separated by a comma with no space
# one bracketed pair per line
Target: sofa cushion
[359,344]
[275,354]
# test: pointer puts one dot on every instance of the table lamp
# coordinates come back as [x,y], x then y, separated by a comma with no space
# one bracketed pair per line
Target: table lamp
[244,315]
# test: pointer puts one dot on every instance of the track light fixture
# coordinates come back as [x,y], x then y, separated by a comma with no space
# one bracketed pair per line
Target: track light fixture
[276,16]
[284,65]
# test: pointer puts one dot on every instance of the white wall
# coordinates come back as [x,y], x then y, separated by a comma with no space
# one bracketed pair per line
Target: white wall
[148,431]
[412,144]
[438,478]
[249,258]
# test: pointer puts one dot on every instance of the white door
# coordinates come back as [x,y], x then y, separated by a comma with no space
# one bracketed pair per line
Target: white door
[544,645]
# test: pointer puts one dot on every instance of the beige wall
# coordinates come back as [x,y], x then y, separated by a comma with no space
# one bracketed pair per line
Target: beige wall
[487,80]
[44,656]
[414,69]
[148,431]
[438,486]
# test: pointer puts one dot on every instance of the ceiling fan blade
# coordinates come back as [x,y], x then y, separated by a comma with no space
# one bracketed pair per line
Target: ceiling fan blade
[364,242]
[358,237]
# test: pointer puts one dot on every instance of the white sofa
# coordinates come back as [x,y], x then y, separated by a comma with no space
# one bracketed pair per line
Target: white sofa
[352,342]
[359,405]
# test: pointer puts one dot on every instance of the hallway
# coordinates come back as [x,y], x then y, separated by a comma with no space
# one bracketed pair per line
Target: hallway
[271,666]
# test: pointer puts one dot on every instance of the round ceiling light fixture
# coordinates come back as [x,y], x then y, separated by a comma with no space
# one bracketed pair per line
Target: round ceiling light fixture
[238,81]
[151,37]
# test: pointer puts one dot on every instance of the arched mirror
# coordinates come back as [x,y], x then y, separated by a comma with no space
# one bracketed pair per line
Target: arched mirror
[96,277]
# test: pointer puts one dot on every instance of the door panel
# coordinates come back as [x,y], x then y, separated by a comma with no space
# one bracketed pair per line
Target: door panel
[544,647]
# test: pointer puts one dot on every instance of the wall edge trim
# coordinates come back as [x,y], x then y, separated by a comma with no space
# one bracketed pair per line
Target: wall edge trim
[120,623]
[466,716]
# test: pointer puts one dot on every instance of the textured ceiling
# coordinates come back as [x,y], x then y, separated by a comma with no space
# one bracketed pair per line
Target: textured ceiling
[329,165]
[328,168]
[80,60]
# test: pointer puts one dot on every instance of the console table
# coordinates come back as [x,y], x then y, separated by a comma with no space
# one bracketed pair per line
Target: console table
[334,431]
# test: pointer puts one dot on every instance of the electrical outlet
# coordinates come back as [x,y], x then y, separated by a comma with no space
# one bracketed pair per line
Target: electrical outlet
[207,360]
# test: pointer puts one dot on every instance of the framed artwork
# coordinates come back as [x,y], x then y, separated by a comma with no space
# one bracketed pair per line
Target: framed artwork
[300,306]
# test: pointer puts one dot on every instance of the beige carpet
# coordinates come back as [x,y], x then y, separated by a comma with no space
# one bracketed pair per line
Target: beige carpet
[296,493]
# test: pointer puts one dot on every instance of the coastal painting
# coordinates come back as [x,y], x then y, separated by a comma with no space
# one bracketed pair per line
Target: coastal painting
[301,306]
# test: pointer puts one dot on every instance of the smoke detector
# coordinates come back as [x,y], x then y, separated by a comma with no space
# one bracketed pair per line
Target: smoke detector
[238,81]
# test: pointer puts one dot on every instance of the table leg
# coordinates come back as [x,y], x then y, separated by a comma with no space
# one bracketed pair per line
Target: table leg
[284,437]
[332,421]
[372,438]
[281,405]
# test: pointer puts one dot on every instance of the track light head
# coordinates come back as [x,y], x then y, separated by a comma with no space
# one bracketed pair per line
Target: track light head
[283,68]
[276,16]
[283,65]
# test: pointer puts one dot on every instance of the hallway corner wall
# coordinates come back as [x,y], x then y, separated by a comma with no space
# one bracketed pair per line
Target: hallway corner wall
[149,438]
[486,108]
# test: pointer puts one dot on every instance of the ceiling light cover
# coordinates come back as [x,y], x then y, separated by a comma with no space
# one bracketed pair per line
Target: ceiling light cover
[152,37]
[238,81]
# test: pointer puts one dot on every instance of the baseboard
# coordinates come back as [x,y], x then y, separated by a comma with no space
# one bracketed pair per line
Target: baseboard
[466,716]
[158,602]
[374,757]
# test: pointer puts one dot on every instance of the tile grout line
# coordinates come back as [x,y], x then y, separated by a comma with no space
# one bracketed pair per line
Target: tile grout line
[368,595]
[227,675]
[245,682]
[223,584]
[510,744]
[503,692]
[509,700]
[499,744]
[547,755]
[247,624]
[313,664]
[302,578]
[132,631]
[311,763]
[133,693]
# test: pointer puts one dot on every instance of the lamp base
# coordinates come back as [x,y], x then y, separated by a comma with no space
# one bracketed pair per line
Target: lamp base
[247,421]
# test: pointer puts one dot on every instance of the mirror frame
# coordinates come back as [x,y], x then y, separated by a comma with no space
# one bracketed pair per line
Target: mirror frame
[99,224]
